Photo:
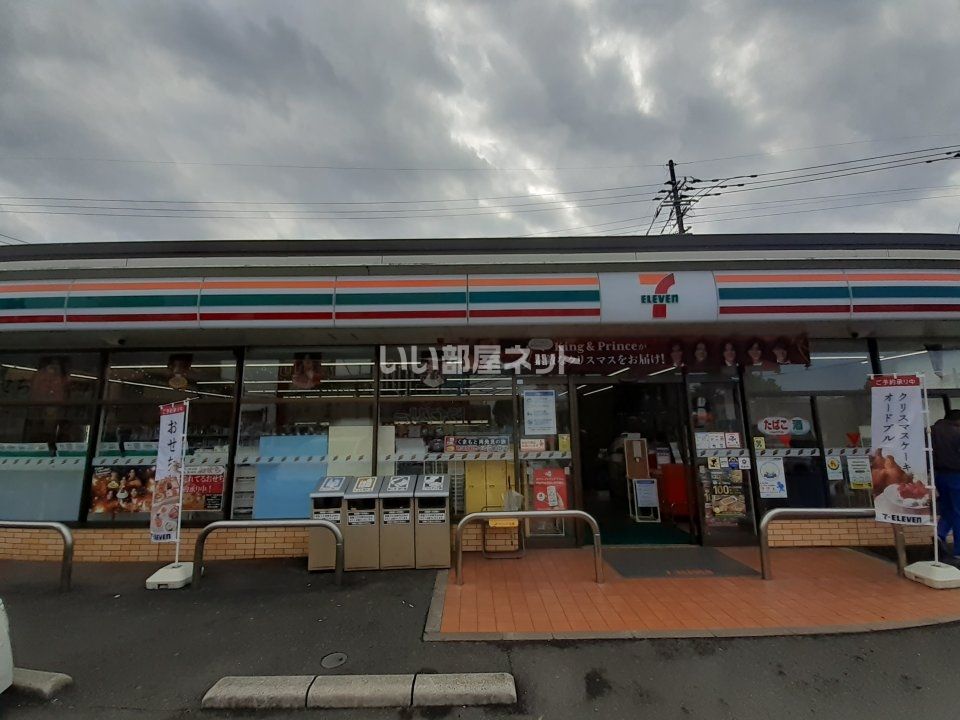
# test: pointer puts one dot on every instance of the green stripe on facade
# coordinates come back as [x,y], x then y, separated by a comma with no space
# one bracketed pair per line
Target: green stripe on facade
[132,301]
[266,300]
[784,293]
[908,292]
[32,303]
[534,296]
[427,298]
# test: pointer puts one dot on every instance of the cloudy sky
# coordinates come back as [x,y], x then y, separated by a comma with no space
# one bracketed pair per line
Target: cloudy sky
[382,118]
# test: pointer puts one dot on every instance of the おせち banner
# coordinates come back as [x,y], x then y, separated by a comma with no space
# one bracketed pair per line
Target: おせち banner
[168,485]
[898,463]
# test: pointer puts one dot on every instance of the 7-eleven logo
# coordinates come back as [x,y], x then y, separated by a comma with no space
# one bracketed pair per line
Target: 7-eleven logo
[660,296]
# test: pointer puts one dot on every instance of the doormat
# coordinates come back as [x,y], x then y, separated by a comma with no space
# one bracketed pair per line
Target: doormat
[691,562]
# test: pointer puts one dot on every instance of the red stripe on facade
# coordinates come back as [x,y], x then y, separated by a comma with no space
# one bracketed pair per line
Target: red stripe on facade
[162,317]
[782,309]
[24,319]
[266,316]
[537,312]
[908,307]
[400,314]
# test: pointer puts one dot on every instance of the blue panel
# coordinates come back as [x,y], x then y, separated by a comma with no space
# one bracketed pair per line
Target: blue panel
[283,489]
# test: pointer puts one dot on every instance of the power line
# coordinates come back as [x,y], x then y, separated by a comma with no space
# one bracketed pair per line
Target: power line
[815,147]
[917,159]
[706,218]
[327,202]
[301,210]
[15,239]
[153,214]
[382,168]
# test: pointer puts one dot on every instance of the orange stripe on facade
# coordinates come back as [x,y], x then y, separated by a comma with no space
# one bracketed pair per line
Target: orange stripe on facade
[531,281]
[134,285]
[35,287]
[401,283]
[793,278]
[265,284]
[904,277]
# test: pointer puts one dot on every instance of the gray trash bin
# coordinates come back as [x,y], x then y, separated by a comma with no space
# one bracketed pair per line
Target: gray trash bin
[396,521]
[432,530]
[361,528]
[326,503]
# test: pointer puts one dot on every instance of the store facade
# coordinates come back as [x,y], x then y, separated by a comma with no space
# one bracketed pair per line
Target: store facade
[743,373]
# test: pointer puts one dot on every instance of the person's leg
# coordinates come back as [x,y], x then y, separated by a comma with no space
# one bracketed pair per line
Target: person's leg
[944,507]
[953,491]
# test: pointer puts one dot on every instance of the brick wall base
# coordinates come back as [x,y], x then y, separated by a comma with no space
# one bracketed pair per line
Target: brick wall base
[130,545]
[842,532]
[133,545]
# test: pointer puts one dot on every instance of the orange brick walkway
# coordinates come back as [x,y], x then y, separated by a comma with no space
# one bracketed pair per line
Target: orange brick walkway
[551,593]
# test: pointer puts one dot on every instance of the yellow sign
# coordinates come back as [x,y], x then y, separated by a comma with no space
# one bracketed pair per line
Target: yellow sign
[563,443]
[759,444]
[505,523]
[714,463]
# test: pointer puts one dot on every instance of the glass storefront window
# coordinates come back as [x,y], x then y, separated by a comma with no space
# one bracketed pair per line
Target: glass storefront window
[171,375]
[422,435]
[723,485]
[845,431]
[44,449]
[836,365]
[126,453]
[49,377]
[286,447]
[784,426]
[938,361]
[309,372]
[546,459]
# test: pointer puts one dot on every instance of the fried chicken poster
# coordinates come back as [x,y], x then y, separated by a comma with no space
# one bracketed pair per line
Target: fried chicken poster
[898,460]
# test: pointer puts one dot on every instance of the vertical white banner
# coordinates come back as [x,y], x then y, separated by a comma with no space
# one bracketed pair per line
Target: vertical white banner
[898,462]
[168,484]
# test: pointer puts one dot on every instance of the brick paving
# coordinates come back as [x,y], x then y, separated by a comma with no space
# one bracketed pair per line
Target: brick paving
[551,593]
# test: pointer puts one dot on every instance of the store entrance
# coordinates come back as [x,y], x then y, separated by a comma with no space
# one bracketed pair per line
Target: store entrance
[635,462]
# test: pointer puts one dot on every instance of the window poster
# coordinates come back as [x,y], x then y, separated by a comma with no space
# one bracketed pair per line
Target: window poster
[771,477]
[203,488]
[539,412]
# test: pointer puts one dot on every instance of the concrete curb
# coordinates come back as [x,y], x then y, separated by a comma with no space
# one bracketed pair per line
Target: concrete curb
[360,691]
[39,683]
[464,689]
[258,693]
[431,630]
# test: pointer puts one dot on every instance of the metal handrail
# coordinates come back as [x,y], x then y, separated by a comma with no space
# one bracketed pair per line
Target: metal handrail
[245,524]
[521,514]
[814,513]
[66,560]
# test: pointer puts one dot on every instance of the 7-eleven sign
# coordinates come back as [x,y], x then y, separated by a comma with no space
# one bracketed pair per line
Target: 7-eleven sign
[658,293]
[658,297]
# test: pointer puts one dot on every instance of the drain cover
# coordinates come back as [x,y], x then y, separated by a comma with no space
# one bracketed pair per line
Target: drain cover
[333,660]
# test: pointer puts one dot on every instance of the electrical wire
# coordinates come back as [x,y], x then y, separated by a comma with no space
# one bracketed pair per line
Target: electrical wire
[154,214]
[706,218]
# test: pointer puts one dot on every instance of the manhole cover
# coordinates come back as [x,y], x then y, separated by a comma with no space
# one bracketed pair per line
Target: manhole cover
[333,660]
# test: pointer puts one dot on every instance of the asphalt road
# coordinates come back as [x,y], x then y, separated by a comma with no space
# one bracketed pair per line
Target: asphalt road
[152,655]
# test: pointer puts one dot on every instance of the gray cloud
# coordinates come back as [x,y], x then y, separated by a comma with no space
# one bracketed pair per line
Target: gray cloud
[475,91]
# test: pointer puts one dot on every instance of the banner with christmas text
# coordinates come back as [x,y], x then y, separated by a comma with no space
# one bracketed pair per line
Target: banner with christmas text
[898,460]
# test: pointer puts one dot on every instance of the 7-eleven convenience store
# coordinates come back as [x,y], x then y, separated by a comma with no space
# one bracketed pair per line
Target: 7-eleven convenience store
[557,370]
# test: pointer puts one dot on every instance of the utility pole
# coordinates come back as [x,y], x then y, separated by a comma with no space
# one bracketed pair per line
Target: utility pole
[675,192]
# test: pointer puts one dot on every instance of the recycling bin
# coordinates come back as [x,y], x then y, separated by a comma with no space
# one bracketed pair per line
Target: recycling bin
[432,530]
[326,503]
[361,530]
[396,521]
